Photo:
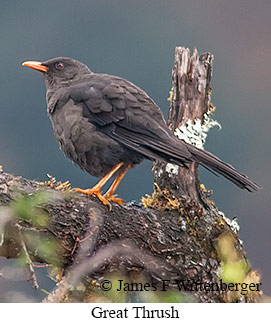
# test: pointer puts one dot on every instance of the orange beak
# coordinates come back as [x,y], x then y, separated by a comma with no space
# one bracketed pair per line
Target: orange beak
[36,66]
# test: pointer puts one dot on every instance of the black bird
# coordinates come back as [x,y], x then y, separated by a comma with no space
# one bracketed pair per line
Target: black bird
[106,124]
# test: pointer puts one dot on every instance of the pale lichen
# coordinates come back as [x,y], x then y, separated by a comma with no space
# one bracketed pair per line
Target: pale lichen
[195,132]
[172,169]
[233,224]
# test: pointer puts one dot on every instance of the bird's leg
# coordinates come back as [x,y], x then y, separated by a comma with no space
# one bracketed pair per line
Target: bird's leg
[96,190]
[109,194]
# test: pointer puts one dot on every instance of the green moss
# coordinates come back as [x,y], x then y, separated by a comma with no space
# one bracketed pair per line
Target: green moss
[29,208]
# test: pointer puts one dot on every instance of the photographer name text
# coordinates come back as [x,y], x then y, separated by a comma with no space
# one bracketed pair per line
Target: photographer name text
[181,285]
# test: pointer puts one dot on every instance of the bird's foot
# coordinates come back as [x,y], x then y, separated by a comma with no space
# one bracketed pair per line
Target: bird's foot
[91,191]
[105,199]
[113,198]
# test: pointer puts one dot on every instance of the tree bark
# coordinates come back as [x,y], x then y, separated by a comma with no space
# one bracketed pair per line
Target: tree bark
[176,235]
[189,119]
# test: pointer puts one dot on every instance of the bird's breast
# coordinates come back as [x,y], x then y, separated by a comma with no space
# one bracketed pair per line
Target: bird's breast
[72,131]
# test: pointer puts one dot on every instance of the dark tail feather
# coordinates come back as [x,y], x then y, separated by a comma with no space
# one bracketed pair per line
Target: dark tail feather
[213,163]
[180,153]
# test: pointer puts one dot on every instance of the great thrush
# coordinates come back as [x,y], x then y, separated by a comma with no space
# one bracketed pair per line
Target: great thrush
[106,124]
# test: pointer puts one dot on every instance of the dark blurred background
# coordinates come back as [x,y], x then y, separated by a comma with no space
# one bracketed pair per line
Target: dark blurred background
[136,40]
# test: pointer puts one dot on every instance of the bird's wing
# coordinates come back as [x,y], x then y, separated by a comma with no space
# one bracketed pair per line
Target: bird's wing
[127,114]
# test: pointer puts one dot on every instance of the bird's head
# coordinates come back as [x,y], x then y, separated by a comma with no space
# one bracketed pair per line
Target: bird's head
[59,70]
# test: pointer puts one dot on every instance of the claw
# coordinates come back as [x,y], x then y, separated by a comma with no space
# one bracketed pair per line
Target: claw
[108,196]
[91,192]
[105,199]
[114,198]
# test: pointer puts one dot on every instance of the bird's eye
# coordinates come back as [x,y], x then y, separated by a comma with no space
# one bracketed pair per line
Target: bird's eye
[59,66]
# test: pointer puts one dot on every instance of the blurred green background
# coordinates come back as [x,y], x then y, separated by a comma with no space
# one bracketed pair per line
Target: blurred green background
[136,40]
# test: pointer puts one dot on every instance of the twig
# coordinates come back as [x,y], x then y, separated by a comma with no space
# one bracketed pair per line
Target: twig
[30,264]
[125,253]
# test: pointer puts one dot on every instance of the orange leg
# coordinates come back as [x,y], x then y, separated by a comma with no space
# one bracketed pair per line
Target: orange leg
[96,190]
[109,194]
